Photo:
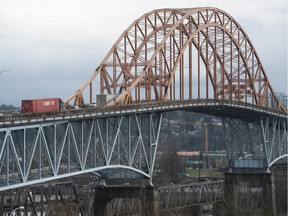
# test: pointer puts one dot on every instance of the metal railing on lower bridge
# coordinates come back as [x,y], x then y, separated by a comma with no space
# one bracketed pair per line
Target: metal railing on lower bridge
[182,196]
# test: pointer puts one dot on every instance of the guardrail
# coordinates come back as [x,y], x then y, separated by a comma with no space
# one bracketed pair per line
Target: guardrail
[143,106]
[179,196]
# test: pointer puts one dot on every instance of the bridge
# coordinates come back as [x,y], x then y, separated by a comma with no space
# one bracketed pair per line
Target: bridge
[194,59]
[183,196]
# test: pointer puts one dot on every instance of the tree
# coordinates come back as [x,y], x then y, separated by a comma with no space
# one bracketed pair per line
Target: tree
[171,165]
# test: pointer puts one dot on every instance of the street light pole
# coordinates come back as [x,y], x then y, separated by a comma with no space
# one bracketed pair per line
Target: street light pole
[19,208]
[4,71]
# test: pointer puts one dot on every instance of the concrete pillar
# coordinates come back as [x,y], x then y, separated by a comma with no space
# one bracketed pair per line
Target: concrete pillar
[2,203]
[100,202]
[147,196]
[248,194]
[195,210]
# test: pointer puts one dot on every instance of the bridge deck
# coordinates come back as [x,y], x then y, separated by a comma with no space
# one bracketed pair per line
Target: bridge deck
[221,108]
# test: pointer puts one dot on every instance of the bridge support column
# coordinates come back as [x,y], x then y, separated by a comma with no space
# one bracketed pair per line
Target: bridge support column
[248,194]
[2,203]
[111,200]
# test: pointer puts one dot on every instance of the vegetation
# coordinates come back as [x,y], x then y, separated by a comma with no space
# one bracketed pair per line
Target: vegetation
[63,209]
[170,165]
[8,107]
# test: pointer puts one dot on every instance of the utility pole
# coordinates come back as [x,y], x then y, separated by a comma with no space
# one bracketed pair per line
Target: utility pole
[199,171]
[206,137]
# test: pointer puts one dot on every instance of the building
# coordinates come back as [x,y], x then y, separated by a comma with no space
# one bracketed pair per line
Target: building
[210,159]
[282,97]
[192,159]
[215,159]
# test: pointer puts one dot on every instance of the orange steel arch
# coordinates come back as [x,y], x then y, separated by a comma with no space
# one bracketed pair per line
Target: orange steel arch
[182,54]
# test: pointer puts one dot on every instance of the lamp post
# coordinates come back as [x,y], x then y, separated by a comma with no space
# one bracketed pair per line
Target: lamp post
[4,71]
[19,208]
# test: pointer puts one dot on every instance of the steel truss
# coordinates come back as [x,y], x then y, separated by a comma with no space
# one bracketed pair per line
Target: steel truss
[264,139]
[51,199]
[182,54]
[183,196]
[275,139]
[122,146]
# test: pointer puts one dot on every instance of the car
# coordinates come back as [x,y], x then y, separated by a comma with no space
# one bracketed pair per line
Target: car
[93,105]
[74,108]
[16,112]
[1,116]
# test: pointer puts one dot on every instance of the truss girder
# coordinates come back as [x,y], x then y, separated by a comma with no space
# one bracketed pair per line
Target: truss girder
[275,139]
[181,54]
[265,139]
[51,151]
[175,197]
[44,199]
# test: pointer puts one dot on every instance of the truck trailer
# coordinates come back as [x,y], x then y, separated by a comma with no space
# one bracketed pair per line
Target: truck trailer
[41,105]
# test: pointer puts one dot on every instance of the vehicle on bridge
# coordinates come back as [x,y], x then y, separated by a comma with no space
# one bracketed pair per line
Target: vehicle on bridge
[42,105]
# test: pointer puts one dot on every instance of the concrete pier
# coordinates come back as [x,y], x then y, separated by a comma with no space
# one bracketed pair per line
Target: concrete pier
[143,199]
[248,194]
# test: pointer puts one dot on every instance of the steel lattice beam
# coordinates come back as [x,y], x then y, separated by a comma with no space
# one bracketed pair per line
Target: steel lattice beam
[265,139]
[108,146]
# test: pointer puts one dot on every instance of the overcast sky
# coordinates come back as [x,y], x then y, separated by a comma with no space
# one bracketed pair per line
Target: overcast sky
[51,47]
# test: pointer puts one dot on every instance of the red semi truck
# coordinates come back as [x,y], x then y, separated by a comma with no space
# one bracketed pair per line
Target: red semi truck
[42,105]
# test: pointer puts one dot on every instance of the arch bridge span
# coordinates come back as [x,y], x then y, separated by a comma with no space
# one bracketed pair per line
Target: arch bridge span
[181,54]
[197,59]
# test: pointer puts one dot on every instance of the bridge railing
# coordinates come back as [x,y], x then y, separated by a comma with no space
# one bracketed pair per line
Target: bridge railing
[144,106]
[178,196]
